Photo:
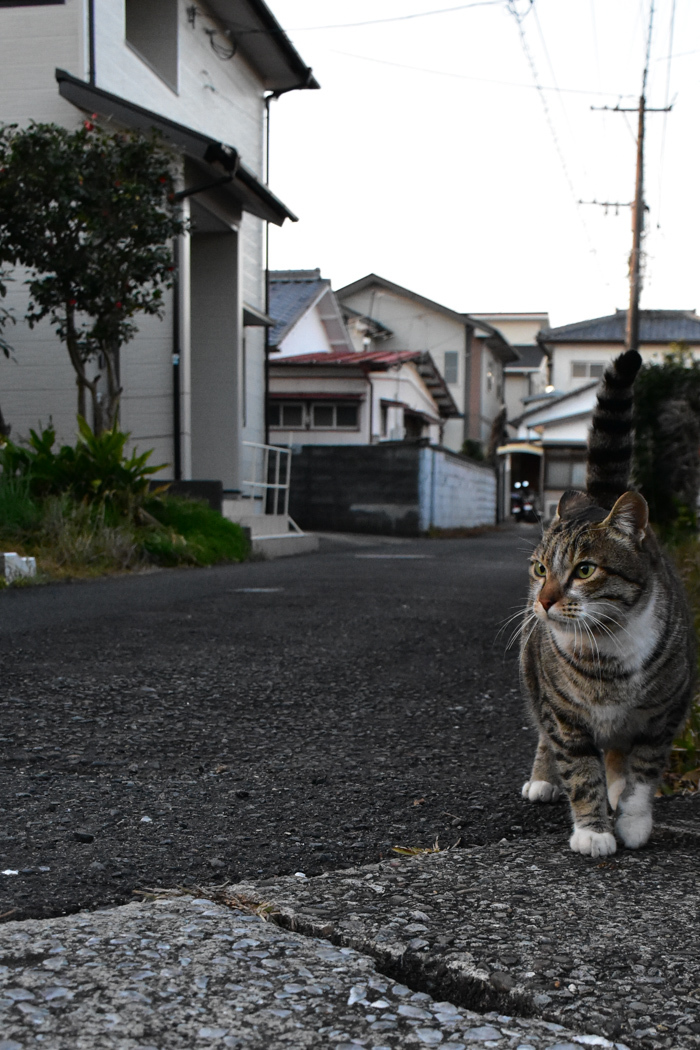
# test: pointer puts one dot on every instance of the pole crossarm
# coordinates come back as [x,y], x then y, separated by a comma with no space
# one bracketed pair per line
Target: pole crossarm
[634,109]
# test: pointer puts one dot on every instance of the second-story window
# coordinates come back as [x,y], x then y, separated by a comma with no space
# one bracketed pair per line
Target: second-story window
[451,366]
[151,30]
[587,369]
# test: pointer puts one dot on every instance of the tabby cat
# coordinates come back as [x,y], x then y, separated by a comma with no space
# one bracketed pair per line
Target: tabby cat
[608,650]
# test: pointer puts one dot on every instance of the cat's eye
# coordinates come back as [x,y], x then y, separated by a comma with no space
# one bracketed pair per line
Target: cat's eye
[538,568]
[585,570]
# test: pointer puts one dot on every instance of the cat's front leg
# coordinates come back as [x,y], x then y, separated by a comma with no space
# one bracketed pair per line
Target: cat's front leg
[582,773]
[645,765]
[543,785]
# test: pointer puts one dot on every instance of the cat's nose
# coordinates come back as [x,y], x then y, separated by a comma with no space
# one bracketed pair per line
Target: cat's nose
[546,602]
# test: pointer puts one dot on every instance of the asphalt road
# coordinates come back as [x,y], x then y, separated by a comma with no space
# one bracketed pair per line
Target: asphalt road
[304,714]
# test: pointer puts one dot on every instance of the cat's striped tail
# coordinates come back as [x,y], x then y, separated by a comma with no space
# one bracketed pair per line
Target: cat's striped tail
[610,437]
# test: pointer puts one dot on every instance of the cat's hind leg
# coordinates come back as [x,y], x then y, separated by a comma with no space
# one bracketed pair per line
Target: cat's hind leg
[544,784]
[615,768]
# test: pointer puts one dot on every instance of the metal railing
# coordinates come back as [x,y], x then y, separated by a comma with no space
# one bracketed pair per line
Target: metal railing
[269,480]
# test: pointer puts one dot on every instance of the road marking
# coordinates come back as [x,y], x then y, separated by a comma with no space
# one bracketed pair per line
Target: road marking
[394,556]
[258,590]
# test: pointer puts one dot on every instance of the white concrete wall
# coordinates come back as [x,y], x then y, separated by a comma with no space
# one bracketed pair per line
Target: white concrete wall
[454,493]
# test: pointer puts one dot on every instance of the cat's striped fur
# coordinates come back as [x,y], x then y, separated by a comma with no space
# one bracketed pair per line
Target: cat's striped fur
[608,650]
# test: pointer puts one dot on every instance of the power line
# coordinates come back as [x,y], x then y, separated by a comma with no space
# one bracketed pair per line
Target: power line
[555,138]
[665,120]
[478,80]
[242,31]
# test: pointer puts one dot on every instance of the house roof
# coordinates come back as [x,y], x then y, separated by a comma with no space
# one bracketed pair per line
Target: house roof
[495,339]
[262,41]
[655,326]
[292,293]
[212,156]
[381,361]
[555,401]
[530,357]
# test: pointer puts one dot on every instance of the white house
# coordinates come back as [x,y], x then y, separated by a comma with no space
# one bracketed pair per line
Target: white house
[330,387]
[529,375]
[202,74]
[580,351]
[469,353]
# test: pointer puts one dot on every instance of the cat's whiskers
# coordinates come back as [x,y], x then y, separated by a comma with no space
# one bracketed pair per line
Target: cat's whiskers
[527,620]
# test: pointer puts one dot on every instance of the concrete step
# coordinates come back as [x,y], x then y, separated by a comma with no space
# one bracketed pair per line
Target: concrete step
[285,544]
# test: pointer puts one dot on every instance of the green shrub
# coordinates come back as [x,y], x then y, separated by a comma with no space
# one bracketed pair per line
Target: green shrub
[192,533]
[19,511]
[96,469]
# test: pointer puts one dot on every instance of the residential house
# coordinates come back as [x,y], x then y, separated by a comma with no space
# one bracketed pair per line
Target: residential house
[326,388]
[470,354]
[364,420]
[201,75]
[559,424]
[528,376]
[580,351]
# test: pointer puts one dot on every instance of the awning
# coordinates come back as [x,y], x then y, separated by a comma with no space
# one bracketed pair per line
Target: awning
[254,318]
[520,446]
[244,186]
[294,395]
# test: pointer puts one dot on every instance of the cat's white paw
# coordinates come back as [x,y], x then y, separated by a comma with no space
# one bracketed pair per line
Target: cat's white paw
[633,829]
[592,843]
[634,821]
[615,790]
[540,791]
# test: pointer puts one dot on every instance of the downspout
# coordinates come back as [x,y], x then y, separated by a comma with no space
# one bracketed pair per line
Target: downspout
[177,422]
[91,41]
[468,333]
[267,272]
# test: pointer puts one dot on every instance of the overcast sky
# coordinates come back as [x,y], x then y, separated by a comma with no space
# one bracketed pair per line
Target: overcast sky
[428,157]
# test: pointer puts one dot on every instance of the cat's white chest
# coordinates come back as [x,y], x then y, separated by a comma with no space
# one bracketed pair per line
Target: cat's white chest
[633,645]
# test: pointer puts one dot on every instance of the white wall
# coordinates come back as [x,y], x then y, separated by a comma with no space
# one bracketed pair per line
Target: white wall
[454,493]
[308,336]
[221,99]
[562,357]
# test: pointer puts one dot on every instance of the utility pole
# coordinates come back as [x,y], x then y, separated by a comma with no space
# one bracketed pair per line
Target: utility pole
[637,205]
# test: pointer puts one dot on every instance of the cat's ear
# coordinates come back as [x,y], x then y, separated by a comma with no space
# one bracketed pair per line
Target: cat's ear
[571,503]
[630,515]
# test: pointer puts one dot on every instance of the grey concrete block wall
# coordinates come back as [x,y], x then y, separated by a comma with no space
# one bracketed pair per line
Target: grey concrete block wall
[388,489]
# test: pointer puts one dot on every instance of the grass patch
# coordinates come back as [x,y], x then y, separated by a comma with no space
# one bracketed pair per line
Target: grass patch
[73,538]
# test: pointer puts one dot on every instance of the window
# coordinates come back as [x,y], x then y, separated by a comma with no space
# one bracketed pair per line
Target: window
[587,369]
[323,415]
[451,366]
[286,414]
[151,30]
[334,416]
[565,472]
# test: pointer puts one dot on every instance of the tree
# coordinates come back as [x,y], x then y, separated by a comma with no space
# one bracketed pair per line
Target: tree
[91,214]
[667,437]
[5,348]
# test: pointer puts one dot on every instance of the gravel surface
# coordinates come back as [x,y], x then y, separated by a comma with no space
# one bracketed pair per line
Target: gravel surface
[187,974]
[527,928]
[305,714]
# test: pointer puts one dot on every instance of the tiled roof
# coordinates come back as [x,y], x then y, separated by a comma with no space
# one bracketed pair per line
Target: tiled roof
[530,357]
[292,292]
[379,361]
[375,358]
[655,326]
